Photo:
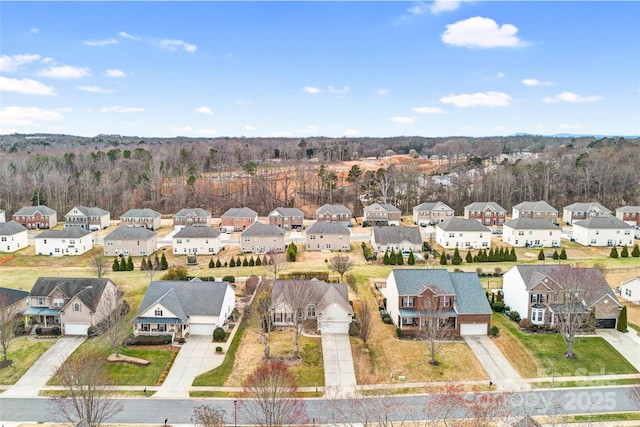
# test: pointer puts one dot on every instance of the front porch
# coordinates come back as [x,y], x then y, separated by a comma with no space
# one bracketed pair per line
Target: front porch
[160,326]
[412,321]
[44,317]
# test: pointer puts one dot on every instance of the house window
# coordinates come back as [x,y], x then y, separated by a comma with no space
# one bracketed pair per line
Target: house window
[311,310]
[40,300]
[179,241]
[158,312]
[312,237]
[452,235]
[58,302]
[534,298]
[146,327]
[445,301]
[407,321]
[407,301]
[537,316]
[76,306]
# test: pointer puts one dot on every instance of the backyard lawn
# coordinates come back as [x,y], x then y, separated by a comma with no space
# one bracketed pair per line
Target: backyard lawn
[532,354]
[24,351]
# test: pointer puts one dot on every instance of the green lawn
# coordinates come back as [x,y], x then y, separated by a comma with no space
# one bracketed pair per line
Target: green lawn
[219,375]
[595,356]
[311,371]
[23,352]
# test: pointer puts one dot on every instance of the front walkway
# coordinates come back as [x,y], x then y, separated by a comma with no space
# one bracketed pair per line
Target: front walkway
[43,369]
[500,371]
[339,373]
[627,344]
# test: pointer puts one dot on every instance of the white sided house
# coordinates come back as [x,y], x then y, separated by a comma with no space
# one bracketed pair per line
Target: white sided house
[70,241]
[191,240]
[630,290]
[531,233]
[13,236]
[181,308]
[400,239]
[431,213]
[91,219]
[191,217]
[606,230]
[580,211]
[3,217]
[463,233]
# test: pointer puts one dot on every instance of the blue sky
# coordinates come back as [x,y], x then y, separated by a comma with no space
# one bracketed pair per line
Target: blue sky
[300,69]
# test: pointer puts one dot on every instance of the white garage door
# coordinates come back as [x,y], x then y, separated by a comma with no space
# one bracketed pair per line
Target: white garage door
[201,329]
[335,327]
[75,329]
[473,329]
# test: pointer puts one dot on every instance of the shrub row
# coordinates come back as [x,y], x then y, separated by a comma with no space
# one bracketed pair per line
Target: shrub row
[147,340]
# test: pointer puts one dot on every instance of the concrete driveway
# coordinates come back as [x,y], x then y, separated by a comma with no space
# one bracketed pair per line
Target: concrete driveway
[627,344]
[339,373]
[197,356]
[43,369]
[502,374]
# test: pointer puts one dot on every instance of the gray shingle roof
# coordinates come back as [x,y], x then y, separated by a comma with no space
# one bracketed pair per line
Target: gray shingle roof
[240,213]
[323,294]
[10,228]
[603,221]
[429,206]
[30,210]
[584,207]
[333,209]
[88,290]
[189,231]
[480,206]
[387,235]
[141,213]
[130,233]
[457,224]
[260,229]
[287,212]
[199,212]
[95,211]
[628,209]
[185,299]
[386,206]
[470,297]
[539,206]
[531,224]
[8,297]
[67,233]
[327,228]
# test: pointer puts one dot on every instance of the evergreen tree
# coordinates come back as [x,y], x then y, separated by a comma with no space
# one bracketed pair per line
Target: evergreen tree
[123,264]
[492,255]
[513,256]
[392,257]
[563,254]
[385,258]
[475,258]
[265,261]
[443,259]
[258,262]
[129,264]
[469,257]
[541,255]
[457,259]
[622,320]
[555,255]
[636,251]
[218,263]
[245,262]
[411,260]
[211,263]
[163,262]
[399,258]
[232,263]
[238,263]
[252,262]
[156,262]
[143,264]
[625,252]
[116,264]
[614,252]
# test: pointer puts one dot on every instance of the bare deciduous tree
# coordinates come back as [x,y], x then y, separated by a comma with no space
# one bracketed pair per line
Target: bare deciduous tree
[113,309]
[295,295]
[435,325]
[260,314]
[363,316]
[269,397]
[340,264]
[100,264]
[7,317]
[89,395]
[276,262]
[634,395]
[208,416]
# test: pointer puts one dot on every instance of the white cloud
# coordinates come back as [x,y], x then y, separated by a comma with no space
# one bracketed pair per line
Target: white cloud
[444,6]
[204,110]
[119,109]
[65,72]
[534,82]
[93,89]
[126,35]
[481,99]
[351,132]
[311,89]
[47,60]
[383,92]
[34,30]
[428,110]
[25,86]
[479,32]
[400,119]
[9,64]
[571,97]
[177,44]
[100,42]
[418,8]
[338,91]
[26,116]
[116,73]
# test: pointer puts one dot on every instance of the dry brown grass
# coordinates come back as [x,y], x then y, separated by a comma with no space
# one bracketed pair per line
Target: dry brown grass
[520,358]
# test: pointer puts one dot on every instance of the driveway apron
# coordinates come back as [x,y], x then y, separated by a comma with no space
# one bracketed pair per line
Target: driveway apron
[500,371]
[339,373]
[43,369]
[627,344]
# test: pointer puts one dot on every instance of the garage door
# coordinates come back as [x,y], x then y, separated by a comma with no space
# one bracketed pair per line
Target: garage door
[201,329]
[473,329]
[605,323]
[335,327]
[76,329]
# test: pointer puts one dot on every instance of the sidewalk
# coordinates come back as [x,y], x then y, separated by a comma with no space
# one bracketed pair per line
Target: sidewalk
[626,343]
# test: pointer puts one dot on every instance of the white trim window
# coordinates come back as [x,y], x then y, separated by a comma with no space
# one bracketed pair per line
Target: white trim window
[537,316]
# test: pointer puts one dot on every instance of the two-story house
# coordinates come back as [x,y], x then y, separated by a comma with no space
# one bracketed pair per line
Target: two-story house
[87,218]
[134,241]
[262,238]
[531,232]
[146,218]
[13,302]
[606,230]
[73,304]
[191,217]
[382,214]
[36,217]
[539,292]
[400,239]
[197,241]
[487,213]
[287,218]
[334,213]
[455,296]
[238,219]
[13,236]
[579,211]
[328,236]
[539,209]
[70,241]
[431,213]
[629,214]
[463,233]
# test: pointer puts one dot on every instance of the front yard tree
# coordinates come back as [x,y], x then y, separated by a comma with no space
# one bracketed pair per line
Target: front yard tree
[113,310]
[260,315]
[99,264]
[116,264]
[295,295]
[443,259]
[163,262]
[541,255]
[411,259]
[88,390]
[457,259]
[469,257]
[208,416]
[129,263]
[622,320]
[7,317]
[625,252]
[363,316]
[274,263]
[435,326]
[341,264]
[123,264]
[636,251]
[269,397]
[563,254]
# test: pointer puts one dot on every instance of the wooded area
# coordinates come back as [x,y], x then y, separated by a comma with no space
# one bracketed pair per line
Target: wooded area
[166,174]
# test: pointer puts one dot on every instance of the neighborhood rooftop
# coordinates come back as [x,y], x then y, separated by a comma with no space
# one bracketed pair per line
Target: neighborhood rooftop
[141,213]
[603,221]
[11,227]
[194,211]
[334,209]
[480,206]
[94,211]
[128,233]
[539,206]
[531,224]
[193,232]
[89,290]
[260,229]
[327,228]
[457,224]
[30,210]
[67,233]
[583,207]
[389,234]
[240,213]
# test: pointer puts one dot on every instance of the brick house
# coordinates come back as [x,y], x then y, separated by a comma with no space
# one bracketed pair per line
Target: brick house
[629,214]
[487,213]
[36,217]
[580,211]
[287,218]
[238,218]
[334,213]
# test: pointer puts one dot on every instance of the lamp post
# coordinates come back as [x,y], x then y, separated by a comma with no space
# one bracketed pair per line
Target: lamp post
[235,413]
[553,371]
